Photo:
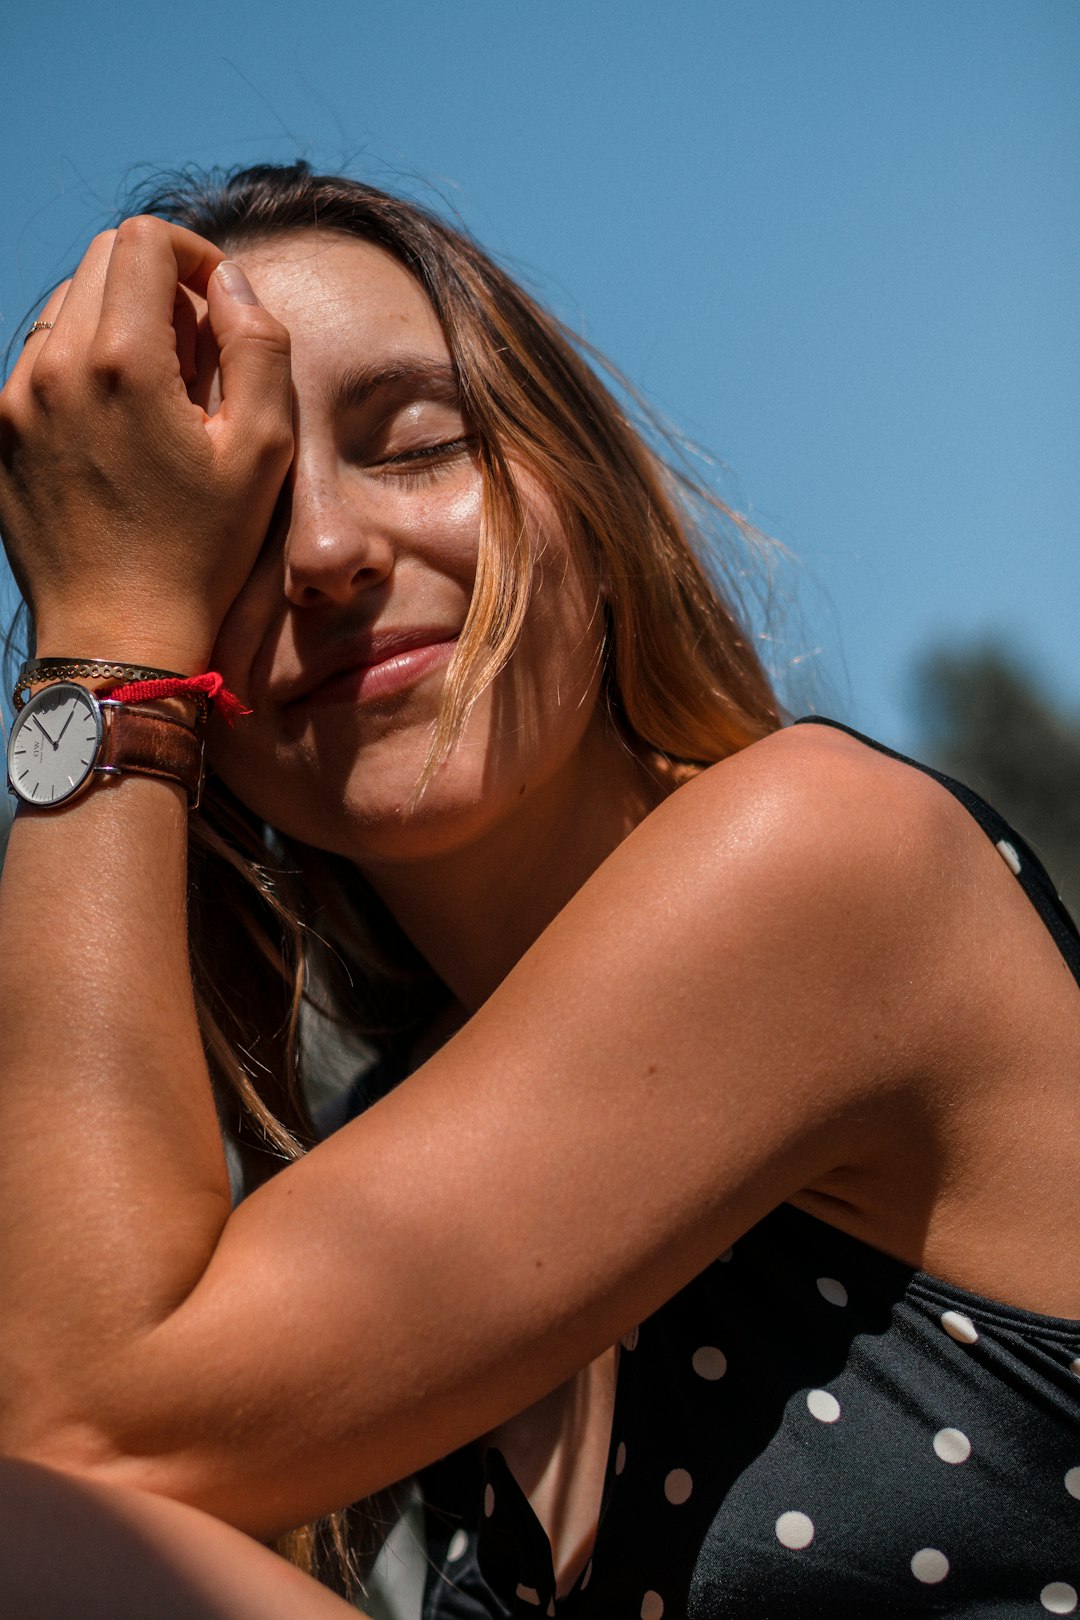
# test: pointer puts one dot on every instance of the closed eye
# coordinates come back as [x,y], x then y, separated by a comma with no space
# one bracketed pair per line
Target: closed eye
[412,460]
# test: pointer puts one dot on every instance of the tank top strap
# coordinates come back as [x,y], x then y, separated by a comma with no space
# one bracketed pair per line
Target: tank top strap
[1011,845]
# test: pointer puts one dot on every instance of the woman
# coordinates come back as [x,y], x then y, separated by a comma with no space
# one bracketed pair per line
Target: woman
[752,1055]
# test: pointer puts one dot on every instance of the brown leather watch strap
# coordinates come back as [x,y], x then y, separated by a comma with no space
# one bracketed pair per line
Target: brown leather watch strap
[151,745]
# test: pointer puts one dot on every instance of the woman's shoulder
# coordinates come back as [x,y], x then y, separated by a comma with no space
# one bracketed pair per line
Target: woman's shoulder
[815,813]
[786,900]
[834,774]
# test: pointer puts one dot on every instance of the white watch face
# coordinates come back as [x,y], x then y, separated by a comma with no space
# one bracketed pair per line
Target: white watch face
[54,743]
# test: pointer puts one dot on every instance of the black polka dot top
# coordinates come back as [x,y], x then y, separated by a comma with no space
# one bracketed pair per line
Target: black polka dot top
[809,1429]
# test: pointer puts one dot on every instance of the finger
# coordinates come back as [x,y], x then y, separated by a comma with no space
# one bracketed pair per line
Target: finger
[46,317]
[34,342]
[33,345]
[149,259]
[185,326]
[206,389]
[82,306]
[256,374]
[75,319]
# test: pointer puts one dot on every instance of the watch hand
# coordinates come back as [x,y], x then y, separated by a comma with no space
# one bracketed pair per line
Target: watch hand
[44,733]
[63,728]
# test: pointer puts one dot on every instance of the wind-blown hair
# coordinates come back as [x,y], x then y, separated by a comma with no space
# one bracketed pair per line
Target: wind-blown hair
[682,682]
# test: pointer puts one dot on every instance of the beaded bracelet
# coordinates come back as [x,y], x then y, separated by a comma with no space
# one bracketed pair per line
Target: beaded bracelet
[44,671]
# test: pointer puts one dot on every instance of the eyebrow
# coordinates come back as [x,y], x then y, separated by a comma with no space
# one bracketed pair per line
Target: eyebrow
[419,374]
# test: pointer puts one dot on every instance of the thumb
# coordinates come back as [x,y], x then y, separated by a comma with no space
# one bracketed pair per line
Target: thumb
[256,376]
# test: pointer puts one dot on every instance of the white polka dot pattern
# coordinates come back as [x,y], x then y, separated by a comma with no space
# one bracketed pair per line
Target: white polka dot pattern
[678,1486]
[1008,854]
[843,1457]
[709,1362]
[823,1406]
[959,1327]
[833,1291]
[930,1566]
[952,1445]
[794,1530]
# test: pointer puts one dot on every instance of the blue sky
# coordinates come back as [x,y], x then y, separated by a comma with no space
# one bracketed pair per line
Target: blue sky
[835,241]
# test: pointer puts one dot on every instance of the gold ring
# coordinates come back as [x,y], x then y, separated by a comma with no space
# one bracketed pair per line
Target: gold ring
[38,326]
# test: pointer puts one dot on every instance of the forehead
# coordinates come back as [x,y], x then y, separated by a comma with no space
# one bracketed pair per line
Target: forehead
[341,298]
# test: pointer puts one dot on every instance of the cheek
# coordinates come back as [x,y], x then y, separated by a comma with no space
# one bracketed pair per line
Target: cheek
[445,528]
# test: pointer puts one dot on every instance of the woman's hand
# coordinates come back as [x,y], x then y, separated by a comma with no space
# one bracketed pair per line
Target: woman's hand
[130,515]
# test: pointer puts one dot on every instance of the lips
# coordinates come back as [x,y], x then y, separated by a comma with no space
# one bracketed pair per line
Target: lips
[373,665]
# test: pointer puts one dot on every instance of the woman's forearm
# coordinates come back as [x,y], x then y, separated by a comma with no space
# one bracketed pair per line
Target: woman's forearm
[130,516]
[115,1182]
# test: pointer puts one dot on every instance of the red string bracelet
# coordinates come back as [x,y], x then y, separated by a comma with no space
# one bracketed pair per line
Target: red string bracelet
[209,686]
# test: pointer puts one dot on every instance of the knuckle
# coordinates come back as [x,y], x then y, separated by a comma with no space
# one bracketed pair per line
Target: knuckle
[140,229]
[111,361]
[267,332]
[51,378]
[10,426]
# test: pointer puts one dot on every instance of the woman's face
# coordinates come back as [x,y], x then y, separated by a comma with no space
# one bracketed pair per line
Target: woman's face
[340,640]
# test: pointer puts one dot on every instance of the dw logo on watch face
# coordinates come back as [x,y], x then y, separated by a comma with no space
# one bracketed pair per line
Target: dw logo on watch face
[54,744]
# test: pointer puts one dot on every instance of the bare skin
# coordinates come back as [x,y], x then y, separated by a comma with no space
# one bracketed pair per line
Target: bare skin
[72,1547]
[795,978]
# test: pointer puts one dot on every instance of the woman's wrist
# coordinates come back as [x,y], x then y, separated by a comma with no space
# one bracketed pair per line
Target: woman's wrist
[148,630]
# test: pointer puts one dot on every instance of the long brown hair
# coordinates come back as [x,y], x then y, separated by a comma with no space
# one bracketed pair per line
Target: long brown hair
[272,923]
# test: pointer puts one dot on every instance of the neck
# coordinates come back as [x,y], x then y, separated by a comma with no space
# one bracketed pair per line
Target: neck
[474,911]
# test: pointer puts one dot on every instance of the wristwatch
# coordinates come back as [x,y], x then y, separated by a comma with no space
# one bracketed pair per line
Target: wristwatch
[64,739]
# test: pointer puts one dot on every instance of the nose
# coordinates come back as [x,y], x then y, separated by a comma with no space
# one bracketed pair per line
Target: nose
[334,548]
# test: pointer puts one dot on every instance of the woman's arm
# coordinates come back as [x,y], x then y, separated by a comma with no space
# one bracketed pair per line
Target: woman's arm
[131,519]
[73,1547]
[669,1062]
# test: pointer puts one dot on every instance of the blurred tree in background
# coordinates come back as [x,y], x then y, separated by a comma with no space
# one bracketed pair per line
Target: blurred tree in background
[985,718]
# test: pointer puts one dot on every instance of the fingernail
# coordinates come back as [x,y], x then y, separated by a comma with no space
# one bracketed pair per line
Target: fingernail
[235,283]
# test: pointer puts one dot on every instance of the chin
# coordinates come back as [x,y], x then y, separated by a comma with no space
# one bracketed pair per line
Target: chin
[350,783]
[367,809]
